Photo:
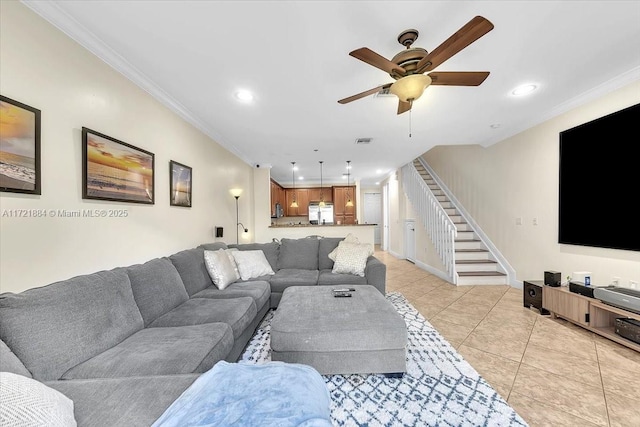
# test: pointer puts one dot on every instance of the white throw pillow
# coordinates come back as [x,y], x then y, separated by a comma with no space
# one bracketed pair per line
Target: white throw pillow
[220,268]
[26,402]
[352,258]
[349,239]
[233,260]
[252,264]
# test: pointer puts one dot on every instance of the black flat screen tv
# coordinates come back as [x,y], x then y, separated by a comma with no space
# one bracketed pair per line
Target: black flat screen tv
[600,182]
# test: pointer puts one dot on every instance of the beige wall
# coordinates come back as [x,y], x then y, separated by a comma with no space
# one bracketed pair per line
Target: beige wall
[426,254]
[518,177]
[42,67]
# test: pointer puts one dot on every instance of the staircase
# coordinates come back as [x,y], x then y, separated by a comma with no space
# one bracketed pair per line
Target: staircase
[473,263]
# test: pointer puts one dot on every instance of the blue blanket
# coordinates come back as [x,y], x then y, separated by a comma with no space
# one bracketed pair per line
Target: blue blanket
[241,394]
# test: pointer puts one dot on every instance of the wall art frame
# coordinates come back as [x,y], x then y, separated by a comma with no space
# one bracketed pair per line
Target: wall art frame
[20,161]
[180,184]
[116,171]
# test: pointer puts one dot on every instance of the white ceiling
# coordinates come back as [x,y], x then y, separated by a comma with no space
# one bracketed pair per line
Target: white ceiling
[293,55]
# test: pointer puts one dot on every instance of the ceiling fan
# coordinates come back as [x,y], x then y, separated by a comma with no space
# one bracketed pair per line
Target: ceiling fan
[407,68]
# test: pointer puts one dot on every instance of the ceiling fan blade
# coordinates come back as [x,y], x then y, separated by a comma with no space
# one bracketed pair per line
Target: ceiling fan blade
[458,78]
[403,106]
[378,61]
[462,38]
[363,94]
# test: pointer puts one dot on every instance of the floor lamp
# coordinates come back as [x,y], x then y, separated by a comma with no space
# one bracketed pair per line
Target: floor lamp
[236,192]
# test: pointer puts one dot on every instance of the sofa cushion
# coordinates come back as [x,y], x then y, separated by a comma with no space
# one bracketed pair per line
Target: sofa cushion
[299,254]
[9,362]
[259,290]
[293,277]
[325,246]
[157,288]
[271,251]
[160,351]
[327,277]
[55,327]
[237,313]
[25,402]
[134,401]
[192,269]
[213,246]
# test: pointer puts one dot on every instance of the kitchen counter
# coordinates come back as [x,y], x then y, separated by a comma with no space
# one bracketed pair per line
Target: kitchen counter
[320,225]
[364,232]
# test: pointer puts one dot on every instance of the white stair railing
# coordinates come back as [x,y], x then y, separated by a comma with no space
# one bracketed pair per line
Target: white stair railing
[440,227]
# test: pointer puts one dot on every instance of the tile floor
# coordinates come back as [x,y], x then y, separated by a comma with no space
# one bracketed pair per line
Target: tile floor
[551,372]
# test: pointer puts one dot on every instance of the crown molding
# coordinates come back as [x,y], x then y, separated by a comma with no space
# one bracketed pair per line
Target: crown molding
[593,94]
[53,14]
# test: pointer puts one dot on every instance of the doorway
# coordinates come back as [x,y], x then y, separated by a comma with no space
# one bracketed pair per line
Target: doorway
[385,217]
[410,240]
[373,213]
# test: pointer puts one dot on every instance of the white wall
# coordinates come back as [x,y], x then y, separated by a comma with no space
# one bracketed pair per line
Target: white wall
[42,67]
[518,177]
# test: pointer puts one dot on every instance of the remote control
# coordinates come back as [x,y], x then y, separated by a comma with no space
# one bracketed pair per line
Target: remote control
[344,290]
[342,295]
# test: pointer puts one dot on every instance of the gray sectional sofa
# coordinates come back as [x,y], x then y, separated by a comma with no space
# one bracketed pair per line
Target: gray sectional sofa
[123,344]
[306,262]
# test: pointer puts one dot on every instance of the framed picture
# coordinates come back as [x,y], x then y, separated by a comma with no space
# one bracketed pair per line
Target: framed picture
[19,147]
[114,170]
[180,184]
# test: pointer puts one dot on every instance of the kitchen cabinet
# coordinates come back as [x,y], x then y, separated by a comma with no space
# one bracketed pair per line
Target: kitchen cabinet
[314,194]
[277,196]
[341,212]
[301,195]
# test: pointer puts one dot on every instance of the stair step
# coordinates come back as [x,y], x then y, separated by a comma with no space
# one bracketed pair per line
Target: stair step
[486,278]
[471,254]
[481,273]
[475,261]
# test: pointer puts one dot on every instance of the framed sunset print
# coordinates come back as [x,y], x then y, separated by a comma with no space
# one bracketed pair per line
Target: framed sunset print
[114,170]
[19,147]
[180,184]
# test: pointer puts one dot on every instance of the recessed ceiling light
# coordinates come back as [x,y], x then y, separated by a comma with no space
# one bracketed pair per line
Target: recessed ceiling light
[524,89]
[295,168]
[244,95]
[377,183]
[301,178]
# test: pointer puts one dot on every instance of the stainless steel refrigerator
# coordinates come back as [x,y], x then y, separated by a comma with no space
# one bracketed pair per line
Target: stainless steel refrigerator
[320,215]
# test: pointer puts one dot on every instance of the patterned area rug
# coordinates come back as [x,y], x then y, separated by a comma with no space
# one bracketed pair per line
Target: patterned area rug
[440,388]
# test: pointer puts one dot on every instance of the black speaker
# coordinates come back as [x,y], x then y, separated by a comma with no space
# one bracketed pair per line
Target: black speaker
[552,278]
[532,295]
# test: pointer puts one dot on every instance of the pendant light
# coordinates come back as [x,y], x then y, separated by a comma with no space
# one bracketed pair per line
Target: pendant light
[349,201]
[322,204]
[294,203]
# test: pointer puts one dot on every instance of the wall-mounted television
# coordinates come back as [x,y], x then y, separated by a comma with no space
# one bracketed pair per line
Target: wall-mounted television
[600,182]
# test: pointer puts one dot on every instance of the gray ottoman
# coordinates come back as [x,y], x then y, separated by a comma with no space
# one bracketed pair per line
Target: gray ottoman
[362,334]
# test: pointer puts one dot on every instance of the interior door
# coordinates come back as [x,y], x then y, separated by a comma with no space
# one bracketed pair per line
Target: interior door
[373,213]
[410,240]
[385,217]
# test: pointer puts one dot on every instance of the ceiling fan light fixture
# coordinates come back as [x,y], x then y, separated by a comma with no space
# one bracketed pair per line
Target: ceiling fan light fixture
[411,87]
